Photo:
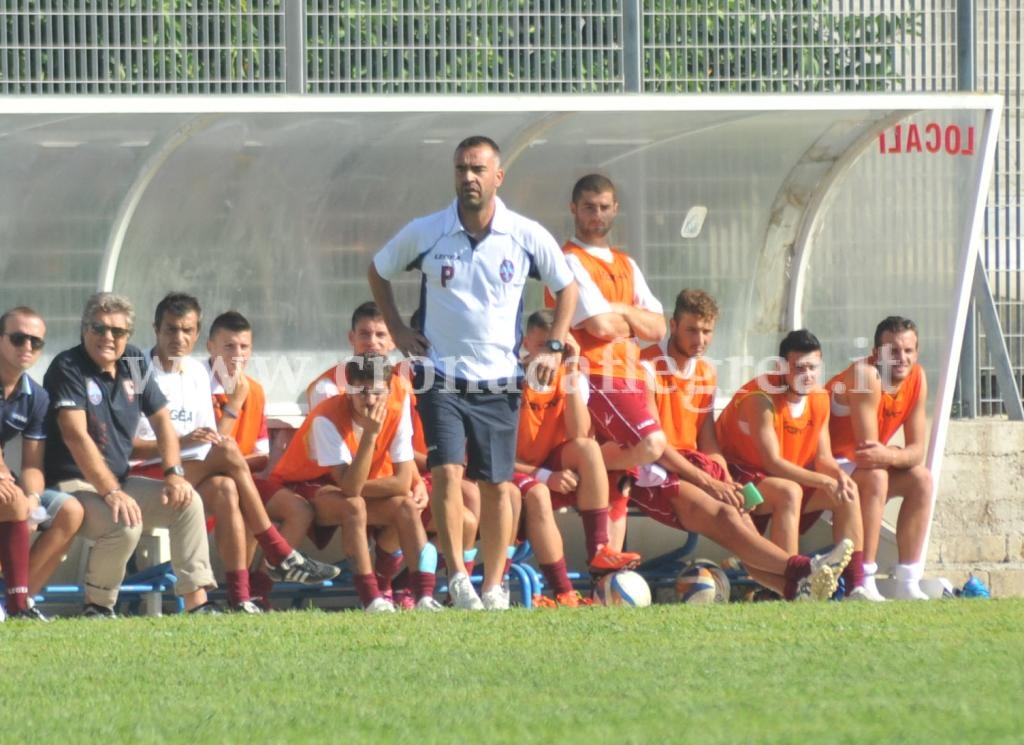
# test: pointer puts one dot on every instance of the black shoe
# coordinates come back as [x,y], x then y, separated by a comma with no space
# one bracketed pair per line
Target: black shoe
[209,608]
[299,568]
[93,610]
[31,614]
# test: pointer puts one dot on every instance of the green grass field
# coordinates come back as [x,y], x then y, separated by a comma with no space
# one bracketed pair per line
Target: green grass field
[944,671]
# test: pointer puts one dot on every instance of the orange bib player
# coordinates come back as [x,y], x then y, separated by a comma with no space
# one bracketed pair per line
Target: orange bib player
[559,465]
[358,447]
[615,309]
[871,401]
[690,488]
[369,334]
[774,432]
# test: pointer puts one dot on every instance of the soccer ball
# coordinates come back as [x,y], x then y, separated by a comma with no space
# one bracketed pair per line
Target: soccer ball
[695,584]
[723,588]
[623,588]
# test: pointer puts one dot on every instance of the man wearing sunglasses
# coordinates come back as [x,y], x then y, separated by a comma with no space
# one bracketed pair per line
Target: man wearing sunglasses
[23,501]
[98,391]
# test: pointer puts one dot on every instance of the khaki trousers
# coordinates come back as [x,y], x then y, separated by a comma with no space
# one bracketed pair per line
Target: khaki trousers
[114,543]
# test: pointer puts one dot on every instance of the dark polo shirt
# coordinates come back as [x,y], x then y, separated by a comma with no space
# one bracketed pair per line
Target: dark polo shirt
[112,405]
[24,413]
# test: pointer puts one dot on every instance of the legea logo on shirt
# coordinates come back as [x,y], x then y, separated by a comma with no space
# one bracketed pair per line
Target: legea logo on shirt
[94,393]
[181,415]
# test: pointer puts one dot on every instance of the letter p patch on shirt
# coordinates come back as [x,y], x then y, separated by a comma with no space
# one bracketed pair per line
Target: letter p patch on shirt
[447,273]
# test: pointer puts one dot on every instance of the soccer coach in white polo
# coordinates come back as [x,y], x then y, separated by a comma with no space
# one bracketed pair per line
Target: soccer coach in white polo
[474,257]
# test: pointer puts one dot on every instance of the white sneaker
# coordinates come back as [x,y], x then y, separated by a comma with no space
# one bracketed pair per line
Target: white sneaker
[380,605]
[496,598]
[865,593]
[826,569]
[429,604]
[463,594]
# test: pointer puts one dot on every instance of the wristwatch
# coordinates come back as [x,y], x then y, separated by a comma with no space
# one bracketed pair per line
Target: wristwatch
[174,471]
[555,346]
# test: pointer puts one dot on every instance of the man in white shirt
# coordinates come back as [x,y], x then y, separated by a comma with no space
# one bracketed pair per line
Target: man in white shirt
[474,257]
[211,463]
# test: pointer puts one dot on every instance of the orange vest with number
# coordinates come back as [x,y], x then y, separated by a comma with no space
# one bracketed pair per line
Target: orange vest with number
[683,403]
[797,436]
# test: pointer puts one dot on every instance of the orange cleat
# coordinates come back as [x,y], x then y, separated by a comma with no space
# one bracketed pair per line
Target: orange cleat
[606,560]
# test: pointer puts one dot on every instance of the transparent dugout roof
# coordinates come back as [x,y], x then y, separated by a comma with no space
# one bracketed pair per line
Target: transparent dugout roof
[829,212]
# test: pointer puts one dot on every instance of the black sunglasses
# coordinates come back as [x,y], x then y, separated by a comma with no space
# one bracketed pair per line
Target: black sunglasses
[18,339]
[100,329]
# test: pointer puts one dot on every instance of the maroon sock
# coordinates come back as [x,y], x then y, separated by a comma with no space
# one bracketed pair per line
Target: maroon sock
[797,568]
[14,545]
[469,567]
[386,566]
[275,547]
[557,576]
[366,588]
[260,585]
[595,529]
[237,586]
[853,575]
[423,584]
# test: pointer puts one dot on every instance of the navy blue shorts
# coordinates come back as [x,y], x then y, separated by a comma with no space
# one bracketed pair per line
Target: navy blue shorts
[477,428]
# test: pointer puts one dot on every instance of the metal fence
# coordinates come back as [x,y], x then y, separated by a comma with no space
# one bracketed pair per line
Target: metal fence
[998,70]
[544,46]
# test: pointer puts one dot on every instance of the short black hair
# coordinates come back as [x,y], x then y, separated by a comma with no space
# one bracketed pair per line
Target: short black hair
[368,368]
[801,340]
[230,320]
[894,325]
[177,304]
[369,310]
[478,141]
[595,183]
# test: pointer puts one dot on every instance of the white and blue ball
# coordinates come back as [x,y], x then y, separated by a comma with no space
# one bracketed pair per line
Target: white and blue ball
[623,588]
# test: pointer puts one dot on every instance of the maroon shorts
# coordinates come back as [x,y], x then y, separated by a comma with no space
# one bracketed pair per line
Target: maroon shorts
[656,501]
[744,474]
[619,410]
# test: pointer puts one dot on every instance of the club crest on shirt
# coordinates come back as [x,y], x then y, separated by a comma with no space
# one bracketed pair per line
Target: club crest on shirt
[507,271]
[92,390]
[129,390]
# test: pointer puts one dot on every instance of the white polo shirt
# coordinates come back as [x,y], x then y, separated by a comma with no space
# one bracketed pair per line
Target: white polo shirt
[188,402]
[472,296]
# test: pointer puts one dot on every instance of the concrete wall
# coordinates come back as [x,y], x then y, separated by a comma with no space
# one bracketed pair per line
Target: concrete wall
[979,513]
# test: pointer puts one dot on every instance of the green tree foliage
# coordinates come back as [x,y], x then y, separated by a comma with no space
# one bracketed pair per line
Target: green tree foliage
[772,46]
[448,46]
